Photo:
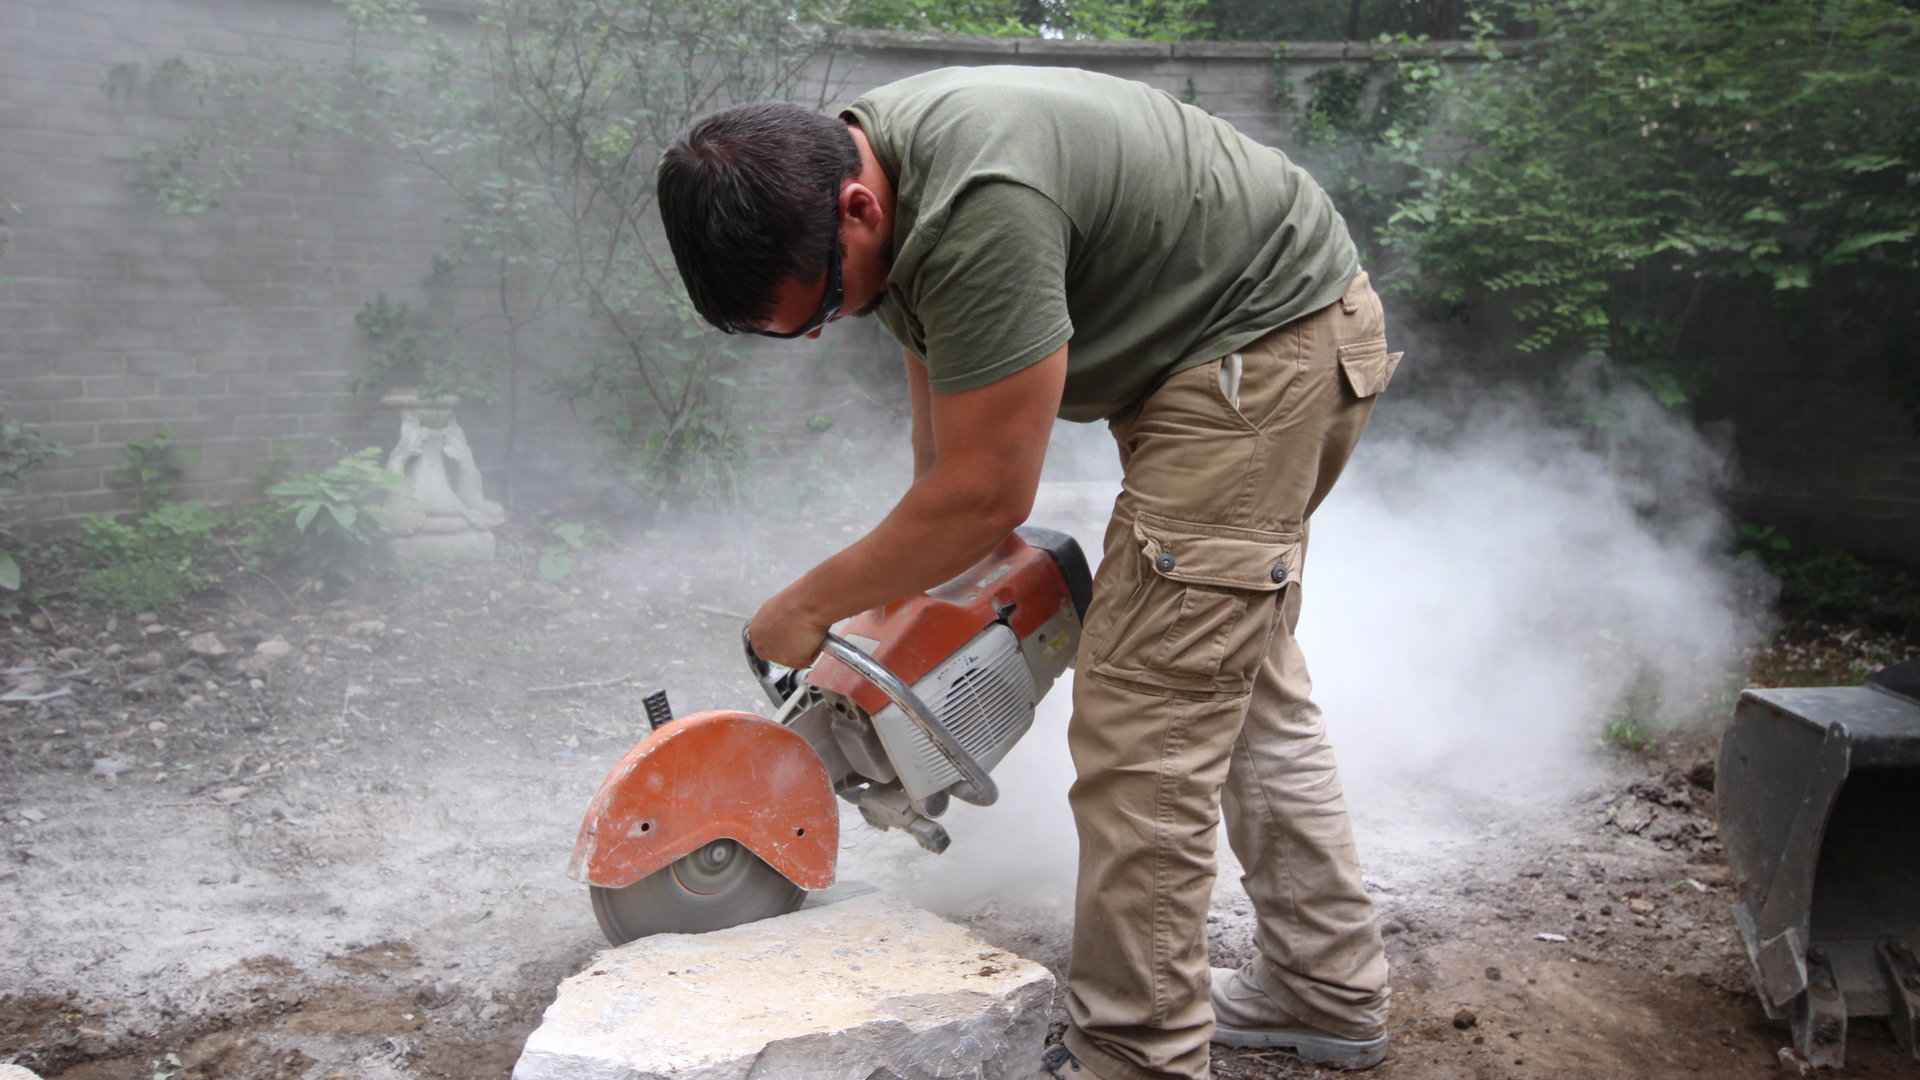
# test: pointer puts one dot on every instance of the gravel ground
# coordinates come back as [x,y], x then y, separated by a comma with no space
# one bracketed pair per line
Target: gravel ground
[320,838]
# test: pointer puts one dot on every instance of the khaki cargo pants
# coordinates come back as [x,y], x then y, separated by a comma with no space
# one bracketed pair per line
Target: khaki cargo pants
[1191,693]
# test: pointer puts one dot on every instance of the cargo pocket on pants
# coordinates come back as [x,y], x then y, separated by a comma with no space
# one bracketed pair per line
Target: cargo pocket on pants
[1368,366]
[1204,613]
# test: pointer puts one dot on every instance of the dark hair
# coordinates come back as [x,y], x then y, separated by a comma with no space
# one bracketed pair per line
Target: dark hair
[750,196]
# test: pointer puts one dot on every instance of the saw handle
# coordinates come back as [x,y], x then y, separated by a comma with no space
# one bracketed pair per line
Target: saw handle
[975,786]
[778,688]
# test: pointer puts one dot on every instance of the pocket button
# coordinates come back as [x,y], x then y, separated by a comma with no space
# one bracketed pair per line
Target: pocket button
[1279,573]
[1165,563]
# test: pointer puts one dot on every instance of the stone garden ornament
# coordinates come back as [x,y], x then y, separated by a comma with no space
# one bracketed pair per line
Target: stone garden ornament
[441,510]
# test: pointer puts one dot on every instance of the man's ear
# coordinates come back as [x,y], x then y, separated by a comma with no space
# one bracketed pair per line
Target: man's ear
[859,203]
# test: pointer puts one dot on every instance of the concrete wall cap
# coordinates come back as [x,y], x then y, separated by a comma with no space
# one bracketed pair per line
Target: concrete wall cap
[934,42]
[911,41]
[1108,50]
[1225,50]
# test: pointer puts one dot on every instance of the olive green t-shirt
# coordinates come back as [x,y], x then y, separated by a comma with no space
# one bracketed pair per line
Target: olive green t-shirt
[1040,206]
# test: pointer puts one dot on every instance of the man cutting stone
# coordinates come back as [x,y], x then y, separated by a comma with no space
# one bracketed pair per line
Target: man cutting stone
[1051,242]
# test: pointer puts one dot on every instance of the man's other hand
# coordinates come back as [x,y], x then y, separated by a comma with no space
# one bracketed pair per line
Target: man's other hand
[786,632]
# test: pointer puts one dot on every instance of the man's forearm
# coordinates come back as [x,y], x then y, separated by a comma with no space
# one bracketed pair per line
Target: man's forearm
[943,525]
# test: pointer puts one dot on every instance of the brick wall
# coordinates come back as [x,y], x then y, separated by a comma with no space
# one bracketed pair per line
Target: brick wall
[234,330]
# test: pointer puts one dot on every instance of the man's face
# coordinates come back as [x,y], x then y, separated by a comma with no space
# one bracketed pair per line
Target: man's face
[866,257]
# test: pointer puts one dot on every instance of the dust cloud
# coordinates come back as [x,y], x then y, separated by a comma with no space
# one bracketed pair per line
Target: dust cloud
[1497,575]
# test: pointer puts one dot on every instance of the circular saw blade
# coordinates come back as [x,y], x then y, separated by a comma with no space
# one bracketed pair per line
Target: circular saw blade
[720,885]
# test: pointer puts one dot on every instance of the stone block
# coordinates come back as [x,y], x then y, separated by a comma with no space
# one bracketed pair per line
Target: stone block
[29,412]
[194,386]
[100,502]
[865,987]
[73,433]
[267,425]
[41,389]
[184,432]
[89,363]
[160,408]
[89,410]
[227,363]
[50,481]
[120,387]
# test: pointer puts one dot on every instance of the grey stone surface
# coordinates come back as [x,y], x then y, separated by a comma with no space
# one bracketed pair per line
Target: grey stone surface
[864,987]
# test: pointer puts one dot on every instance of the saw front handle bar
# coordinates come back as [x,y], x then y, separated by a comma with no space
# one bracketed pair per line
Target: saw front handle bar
[975,786]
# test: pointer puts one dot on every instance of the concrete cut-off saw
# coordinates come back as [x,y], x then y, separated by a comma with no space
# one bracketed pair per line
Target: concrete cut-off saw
[719,818]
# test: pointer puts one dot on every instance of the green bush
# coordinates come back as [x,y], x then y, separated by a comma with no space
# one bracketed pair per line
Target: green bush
[405,352]
[1357,131]
[1158,20]
[326,518]
[140,585]
[570,539]
[153,468]
[695,450]
[1644,156]
[21,451]
[152,561]
[1828,583]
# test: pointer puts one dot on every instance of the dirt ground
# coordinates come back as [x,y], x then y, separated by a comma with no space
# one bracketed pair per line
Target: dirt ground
[341,855]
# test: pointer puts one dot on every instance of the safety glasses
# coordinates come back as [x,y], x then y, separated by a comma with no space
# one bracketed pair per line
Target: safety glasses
[829,303]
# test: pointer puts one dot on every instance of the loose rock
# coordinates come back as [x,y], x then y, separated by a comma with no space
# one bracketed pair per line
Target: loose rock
[152,661]
[1632,815]
[1703,774]
[1465,1019]
[207,644]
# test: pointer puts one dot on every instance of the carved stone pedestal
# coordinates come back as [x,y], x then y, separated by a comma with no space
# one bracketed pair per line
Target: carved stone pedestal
[440,512]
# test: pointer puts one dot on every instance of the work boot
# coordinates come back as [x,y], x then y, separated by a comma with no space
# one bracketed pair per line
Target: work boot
[1245,1015]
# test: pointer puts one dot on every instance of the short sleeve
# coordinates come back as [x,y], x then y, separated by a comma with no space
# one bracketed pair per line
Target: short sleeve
[991,297]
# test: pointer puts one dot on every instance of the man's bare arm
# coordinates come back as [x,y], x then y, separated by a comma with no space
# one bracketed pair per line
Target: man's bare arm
[989,445]
[919,394]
